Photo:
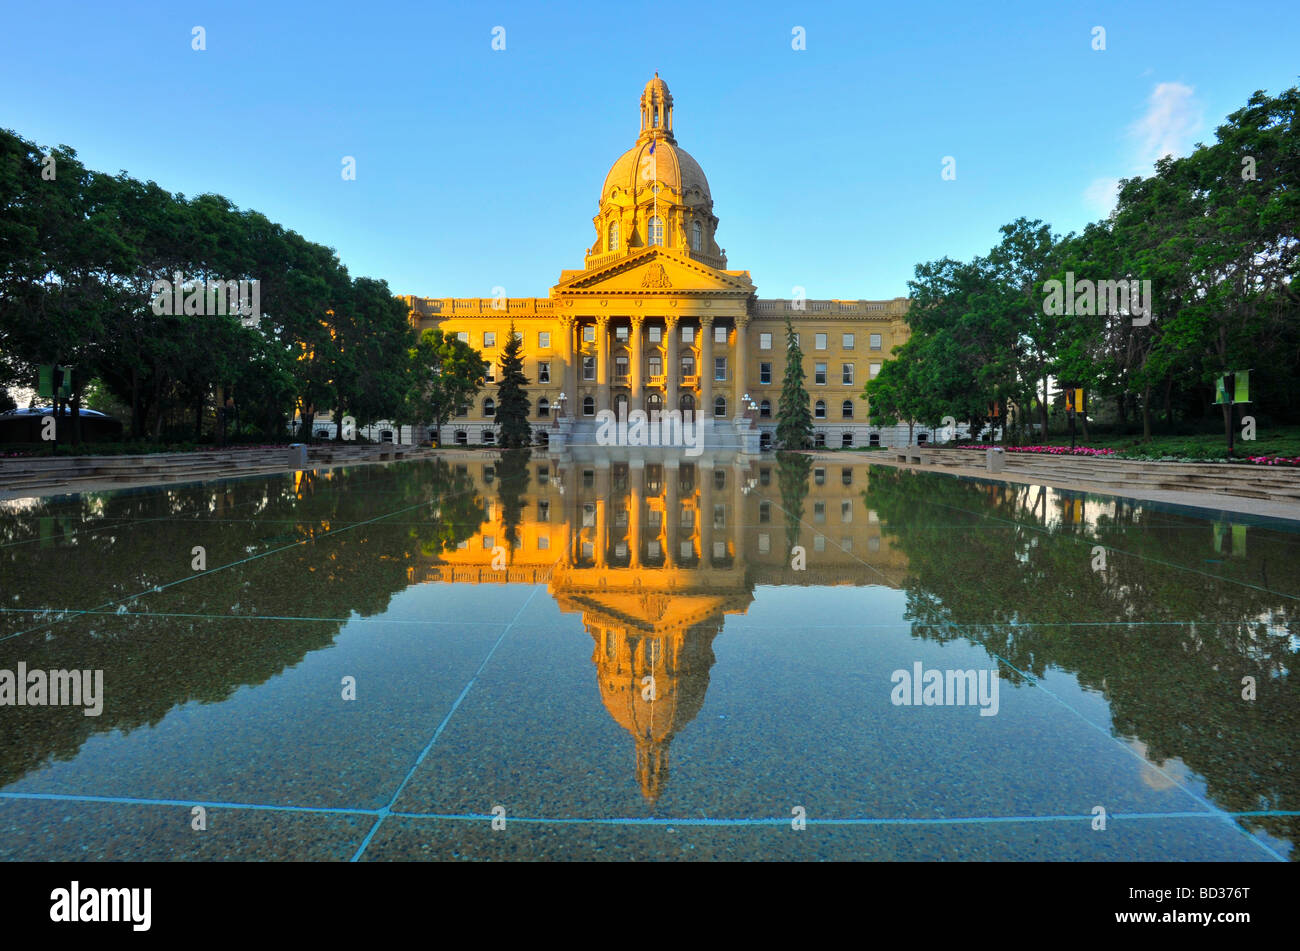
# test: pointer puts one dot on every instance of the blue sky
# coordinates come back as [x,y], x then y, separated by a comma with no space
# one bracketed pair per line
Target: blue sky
[478,168]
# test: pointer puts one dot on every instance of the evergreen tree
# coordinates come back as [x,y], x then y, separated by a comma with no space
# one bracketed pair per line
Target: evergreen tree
[513,403]
[794,425]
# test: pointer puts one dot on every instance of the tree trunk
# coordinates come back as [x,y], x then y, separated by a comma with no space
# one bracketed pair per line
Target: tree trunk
[137,420]
[1042,410]
[1146,415]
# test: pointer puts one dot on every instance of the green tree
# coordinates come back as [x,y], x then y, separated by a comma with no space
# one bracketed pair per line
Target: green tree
[513,403]
[448,374]
[794,425]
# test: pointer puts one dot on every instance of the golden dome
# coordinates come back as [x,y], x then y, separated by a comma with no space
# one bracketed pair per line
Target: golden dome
[672,165]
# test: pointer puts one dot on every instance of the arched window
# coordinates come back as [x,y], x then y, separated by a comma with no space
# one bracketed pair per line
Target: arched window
[613,236]
[873,439]
[819,440]
[696,236]
[462,438]
[620,406]
[765,409]
[657,231]
[720,408]
[847,409]
[588,406]
[819,409]
[543,438]
[846,441]
[687,402]
[543,408]
[654,403]
[764,440]
[489,408]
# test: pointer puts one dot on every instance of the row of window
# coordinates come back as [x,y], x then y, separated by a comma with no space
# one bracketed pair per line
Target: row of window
[654,364]
[656,233]
[654,334]
[654,402]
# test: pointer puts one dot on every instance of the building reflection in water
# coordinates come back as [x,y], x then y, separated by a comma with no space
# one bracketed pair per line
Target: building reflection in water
[654,550]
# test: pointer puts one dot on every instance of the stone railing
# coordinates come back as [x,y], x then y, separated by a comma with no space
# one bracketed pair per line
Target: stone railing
[858,308]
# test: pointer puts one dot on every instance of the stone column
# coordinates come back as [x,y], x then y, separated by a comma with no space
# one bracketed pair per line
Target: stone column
[706,367]
[704,478]
[672,363]
[572,514]
[636,482]
[602,363]
[740,369]
[601,546]
[636,374]
[570,382]
[672,509]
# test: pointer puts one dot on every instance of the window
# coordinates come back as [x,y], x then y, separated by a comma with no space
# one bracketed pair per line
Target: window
[846,441]
[657,231]
[686,403]
[491,373]
[696,236]
[875,370]
[846,341]
[873,439]
[589,368]
[620,366]
[764,512]
[720,409]
[719,482]
[688,333]
[688,365]
[543,340]
[613,236]
[875,341]
[489,408]
[621,333]
[846,374]
[543,408]
[489,338]
[588,406]
[720,368]
[654,403]
[819,409]
[847,409]
[462,438]
[518,335]
[764,543]
[819,441]
[543,507]
[543,371]
[462,410]
[654,334]
[765,341]
[819,476]
[489,437]
[819,513]
[765,440]
[819,341]
[588,334]
[765,409]
[462,336]
[765,476]
[543,543]
[819,374]
[765,373]
[656,365]
[846,478]
[719,334]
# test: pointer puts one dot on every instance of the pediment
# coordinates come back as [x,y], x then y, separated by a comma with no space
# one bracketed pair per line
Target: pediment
[654,271]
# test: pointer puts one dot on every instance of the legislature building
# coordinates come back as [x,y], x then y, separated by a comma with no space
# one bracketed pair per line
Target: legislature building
[656,321]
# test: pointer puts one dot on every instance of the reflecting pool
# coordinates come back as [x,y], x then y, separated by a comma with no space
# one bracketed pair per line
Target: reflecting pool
[643,657]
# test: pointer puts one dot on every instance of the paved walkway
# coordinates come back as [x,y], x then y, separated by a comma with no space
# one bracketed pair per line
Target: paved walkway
[1254,490]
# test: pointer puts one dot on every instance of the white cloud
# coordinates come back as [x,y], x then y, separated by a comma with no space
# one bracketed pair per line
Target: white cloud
[1100,195]
[1169,126]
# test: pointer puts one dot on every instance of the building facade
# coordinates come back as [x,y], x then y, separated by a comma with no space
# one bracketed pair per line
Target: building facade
[656,321]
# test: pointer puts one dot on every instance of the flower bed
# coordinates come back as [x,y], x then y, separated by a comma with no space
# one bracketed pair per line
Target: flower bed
[1050,450]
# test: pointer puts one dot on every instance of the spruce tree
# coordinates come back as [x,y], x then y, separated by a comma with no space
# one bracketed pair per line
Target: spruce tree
[513,403]
[794,425]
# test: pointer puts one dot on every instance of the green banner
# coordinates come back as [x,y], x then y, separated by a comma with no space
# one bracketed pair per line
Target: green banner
[1242,392]
[45,380]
